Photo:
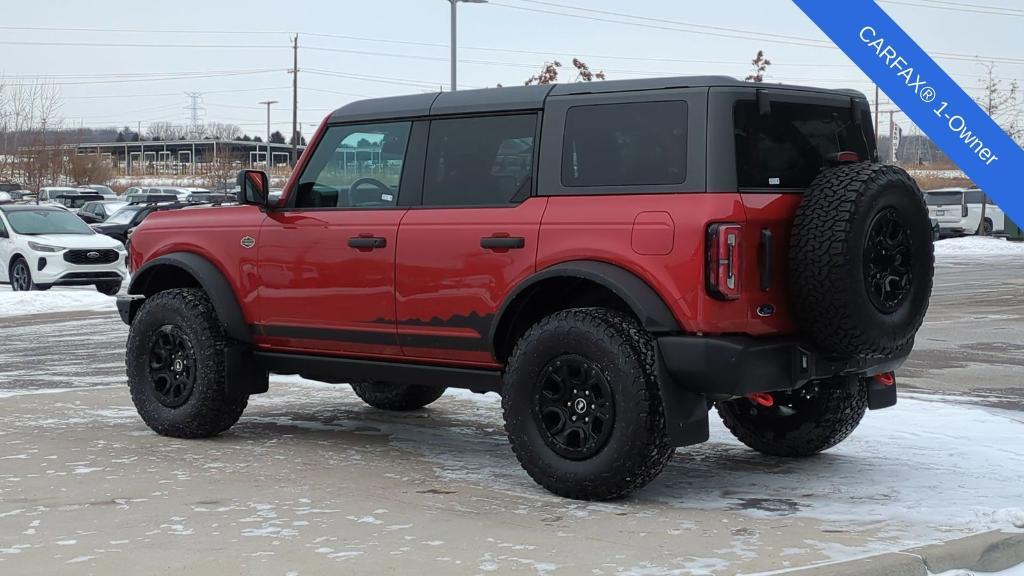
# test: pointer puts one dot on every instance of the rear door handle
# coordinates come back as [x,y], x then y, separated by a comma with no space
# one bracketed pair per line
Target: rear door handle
[503,242]
[367,242]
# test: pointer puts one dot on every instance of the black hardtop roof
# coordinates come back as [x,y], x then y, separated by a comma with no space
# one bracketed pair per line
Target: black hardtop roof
[509,99]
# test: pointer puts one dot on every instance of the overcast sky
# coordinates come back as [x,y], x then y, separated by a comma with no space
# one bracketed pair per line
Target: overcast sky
[386,47]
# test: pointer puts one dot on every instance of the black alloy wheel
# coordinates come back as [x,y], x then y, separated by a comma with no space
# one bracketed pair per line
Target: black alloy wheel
[888,264]
[172,366]
[575,408]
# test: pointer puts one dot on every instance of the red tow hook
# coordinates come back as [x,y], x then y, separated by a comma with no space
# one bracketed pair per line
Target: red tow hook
[886,379]
[762,398]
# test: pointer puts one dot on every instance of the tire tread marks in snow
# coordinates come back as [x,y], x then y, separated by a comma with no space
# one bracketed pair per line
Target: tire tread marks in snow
[638,448]
[396,397]
[209,410]
[826,282]
[838,408]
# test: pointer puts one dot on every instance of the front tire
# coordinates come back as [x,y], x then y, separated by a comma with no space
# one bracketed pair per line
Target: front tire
[582,407]
[109,288]
[176,372]
[397,397]
[802,422]
[21,276]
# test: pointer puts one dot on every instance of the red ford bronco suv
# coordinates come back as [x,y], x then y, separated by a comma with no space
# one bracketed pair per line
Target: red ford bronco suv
[613,258]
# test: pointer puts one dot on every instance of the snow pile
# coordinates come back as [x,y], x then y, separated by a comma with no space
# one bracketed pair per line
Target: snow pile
[974,246]
[55,300]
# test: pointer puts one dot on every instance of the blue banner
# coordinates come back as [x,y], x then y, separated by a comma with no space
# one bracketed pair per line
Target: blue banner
[970,138]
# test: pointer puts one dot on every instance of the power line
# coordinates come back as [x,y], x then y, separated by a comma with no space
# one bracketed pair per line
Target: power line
[959,7]
[156,79]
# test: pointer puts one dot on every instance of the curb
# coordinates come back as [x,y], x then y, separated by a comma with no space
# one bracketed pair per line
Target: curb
[987,552]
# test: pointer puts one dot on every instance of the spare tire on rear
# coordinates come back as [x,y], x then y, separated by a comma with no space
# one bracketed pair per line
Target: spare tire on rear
[861,260]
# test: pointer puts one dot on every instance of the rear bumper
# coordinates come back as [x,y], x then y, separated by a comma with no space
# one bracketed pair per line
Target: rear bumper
[738,365]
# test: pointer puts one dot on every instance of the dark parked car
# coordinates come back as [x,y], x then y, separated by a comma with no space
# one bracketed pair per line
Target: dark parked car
[210,198]
[98,211]
[120,224]
[74,201]
[148,198]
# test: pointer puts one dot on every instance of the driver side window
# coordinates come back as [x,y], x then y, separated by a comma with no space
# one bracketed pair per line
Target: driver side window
[356,166]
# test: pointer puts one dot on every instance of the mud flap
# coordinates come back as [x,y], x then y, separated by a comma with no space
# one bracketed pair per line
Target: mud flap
[686,413]
[244,375]
[879,395]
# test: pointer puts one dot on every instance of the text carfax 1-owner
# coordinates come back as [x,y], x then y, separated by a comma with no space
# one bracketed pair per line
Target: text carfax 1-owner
[929,97]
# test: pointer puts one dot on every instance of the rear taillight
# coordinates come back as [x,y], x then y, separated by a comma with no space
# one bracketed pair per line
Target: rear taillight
[723,261]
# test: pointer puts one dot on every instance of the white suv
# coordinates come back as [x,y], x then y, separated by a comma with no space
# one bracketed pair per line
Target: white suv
[958,211]
[44,246]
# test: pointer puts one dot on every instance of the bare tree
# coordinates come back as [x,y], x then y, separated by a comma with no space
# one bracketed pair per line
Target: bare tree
[1005,107]
[166,131]
[90,169]
[549,73]
[219,131]
[222,168]
[35,110]
[761,64]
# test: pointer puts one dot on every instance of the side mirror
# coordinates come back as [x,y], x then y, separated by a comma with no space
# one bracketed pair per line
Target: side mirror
[4,234]
[253,186]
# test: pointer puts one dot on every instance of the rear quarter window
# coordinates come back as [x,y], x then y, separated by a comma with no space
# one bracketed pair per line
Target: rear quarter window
[630,144]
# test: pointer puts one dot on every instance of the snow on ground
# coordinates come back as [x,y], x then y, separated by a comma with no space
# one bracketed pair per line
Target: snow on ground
[1017,570]
[973,246]
[925,469]
[54,300]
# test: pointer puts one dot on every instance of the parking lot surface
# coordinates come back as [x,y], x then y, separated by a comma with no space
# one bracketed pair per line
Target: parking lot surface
[311,481]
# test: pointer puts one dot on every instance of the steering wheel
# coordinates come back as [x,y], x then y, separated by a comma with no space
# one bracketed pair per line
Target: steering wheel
[384,188]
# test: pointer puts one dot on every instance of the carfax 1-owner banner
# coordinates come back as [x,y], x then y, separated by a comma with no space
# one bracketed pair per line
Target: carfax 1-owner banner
[927,94]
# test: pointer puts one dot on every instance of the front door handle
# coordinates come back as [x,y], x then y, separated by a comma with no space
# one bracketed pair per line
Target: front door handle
[367,242]
[502,242]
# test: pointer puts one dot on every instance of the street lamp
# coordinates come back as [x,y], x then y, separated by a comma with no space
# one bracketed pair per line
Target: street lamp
[454,4]
[268,103]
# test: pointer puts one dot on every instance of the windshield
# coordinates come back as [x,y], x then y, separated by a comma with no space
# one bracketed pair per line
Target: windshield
[112,207]
[41,221]
[944,198]
[122,216]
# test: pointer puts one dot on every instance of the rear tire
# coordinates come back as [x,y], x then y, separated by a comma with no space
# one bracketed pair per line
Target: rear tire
[802,422]
[176,372]
[987,227]
[397,397]
[582,407]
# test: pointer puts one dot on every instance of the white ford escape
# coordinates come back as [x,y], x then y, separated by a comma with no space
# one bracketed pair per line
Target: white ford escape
[45,246]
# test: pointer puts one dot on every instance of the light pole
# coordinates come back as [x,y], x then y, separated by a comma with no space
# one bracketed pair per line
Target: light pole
[455,30]
[268,103]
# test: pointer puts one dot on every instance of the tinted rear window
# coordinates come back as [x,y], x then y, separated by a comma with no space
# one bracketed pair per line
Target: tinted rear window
[641,144]
[790,146]
[944,198]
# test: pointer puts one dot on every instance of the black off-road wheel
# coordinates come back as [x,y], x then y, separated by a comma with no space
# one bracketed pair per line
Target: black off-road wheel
[109,288]
[176,372]
[861,260]
[397,397]
[801,422]
[582,407]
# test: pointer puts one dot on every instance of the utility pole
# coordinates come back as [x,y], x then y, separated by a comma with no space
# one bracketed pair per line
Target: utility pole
[455,34]
[876,112]
[295,101]
[268,103]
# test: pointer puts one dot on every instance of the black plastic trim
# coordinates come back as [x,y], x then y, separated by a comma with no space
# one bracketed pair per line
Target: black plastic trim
[210,278]
[646,304]
[738,365]
[346,370]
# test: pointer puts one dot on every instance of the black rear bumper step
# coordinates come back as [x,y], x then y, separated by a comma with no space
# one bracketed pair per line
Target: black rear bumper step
[740,365]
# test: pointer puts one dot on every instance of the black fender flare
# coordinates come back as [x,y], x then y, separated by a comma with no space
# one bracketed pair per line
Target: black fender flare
[646,304]
[210,278]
